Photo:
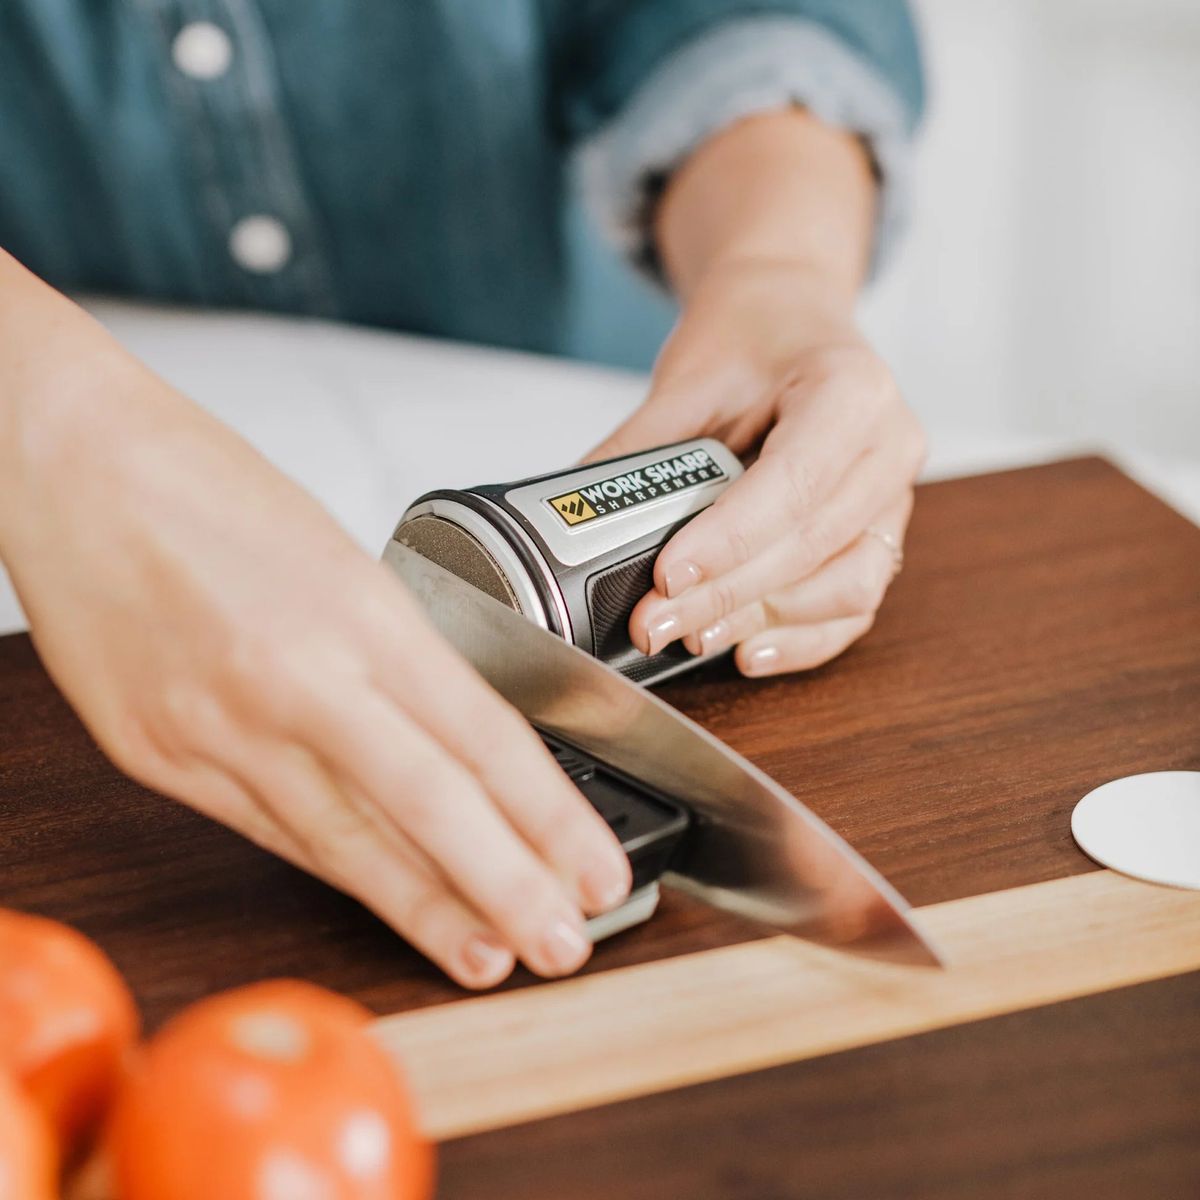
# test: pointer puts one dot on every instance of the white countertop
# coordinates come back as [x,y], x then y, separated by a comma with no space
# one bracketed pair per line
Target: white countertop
[368,420]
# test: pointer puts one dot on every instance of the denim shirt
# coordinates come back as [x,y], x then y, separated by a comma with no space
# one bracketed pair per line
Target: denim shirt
[398,162]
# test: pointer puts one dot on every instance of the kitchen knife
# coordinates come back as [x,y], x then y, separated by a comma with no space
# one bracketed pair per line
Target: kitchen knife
[755,851]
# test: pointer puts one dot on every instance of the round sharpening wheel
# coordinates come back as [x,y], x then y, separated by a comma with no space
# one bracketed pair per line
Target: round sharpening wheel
[1147,826]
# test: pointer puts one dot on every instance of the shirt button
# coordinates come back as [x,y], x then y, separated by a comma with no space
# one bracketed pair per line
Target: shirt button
[202,50]
[260,244]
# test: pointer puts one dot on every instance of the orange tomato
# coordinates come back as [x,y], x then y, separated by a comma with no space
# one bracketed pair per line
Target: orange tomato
[28,1155]
[268,1092]
[67,1021]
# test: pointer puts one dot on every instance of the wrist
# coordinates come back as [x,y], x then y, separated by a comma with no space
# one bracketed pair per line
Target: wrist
[749,322]
[790,284]
[779,186]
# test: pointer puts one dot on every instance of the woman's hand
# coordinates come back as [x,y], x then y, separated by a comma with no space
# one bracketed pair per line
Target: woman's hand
[792,561]
[227,644]
[765,233]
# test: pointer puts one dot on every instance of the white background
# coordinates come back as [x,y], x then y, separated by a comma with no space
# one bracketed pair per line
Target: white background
[1051,279]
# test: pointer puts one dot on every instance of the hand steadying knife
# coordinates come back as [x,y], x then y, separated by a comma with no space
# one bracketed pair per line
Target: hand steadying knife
[753,849]
[228,645]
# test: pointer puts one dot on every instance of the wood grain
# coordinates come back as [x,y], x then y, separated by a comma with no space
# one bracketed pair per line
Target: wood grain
[1044,637]
[1094,1098]
[497,1061]
[186,907]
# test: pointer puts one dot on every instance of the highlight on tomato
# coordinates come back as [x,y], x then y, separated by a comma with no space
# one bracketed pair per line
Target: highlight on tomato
[28,1151]
[67,1023]
[272,1090]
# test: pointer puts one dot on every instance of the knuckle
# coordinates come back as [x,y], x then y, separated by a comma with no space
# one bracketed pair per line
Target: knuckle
[817,369]
[487,733]
[864,591]
[578,839]
[741,546]
[498,731]
[188,716]
[524,907]
[242,660]
[723,599]
[132,749]
[753,619]
[256,672]
[774,610]
[340,842]
[551,827]
[425,792]
[418,799]
[873,397]
[879,382]
[422,915]
[885,572]
[813,544]
[799,486]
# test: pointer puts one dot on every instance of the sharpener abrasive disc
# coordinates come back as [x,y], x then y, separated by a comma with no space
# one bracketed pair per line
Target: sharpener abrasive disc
[1147,826]
[452,547]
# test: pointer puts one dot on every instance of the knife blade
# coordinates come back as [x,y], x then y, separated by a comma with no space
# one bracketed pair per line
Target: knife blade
[756,850]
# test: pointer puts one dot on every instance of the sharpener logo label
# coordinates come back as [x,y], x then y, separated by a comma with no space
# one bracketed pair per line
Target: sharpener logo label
[573,508]
[607,496]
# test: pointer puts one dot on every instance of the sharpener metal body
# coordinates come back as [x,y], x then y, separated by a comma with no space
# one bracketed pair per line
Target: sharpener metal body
[574,550]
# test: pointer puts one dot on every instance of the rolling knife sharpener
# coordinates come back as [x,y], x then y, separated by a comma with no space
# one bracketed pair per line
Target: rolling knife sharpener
[574,550]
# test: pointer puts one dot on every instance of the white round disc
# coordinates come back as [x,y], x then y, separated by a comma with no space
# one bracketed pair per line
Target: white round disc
[1147,826]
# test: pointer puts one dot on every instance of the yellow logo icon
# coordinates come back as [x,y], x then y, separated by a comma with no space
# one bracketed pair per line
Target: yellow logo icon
[573,508]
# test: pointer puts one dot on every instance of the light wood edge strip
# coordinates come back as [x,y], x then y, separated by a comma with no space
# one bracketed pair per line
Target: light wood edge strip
[496,1061]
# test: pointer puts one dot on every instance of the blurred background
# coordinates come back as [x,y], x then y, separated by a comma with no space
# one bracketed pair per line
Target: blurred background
[1049,284]
[1045,301]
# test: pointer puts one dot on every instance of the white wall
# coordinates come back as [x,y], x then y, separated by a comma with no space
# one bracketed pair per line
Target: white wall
[1051,279]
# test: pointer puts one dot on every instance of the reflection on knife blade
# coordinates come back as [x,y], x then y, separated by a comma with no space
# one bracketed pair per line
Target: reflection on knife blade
[754,850]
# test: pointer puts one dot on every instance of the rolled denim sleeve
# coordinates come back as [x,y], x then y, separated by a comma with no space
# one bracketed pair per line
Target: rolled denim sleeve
[854,65]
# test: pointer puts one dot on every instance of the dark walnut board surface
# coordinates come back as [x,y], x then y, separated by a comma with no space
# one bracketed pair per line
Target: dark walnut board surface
[1043,638]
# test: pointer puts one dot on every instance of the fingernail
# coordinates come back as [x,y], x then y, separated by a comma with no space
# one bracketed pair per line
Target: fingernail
[563,947]
[762,661]
[606,885]
[665,629]
[486,959]
[679,577]
[714,637]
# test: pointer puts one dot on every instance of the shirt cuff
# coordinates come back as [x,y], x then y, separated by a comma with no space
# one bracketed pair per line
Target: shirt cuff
[740,67]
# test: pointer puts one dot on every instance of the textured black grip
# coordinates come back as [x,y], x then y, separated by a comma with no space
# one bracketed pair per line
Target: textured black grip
[611,595]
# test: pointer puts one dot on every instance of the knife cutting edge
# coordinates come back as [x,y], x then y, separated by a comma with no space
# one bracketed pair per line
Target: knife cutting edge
[754,851]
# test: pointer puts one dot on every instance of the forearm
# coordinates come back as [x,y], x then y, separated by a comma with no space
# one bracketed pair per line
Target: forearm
[45,343]
[42,337]
[68,391]
[780,188]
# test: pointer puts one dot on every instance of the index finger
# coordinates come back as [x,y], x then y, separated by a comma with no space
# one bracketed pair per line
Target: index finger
[445,695]
[802,460]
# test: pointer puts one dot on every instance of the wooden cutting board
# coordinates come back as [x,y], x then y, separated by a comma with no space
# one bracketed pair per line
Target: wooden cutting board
[1044,637]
